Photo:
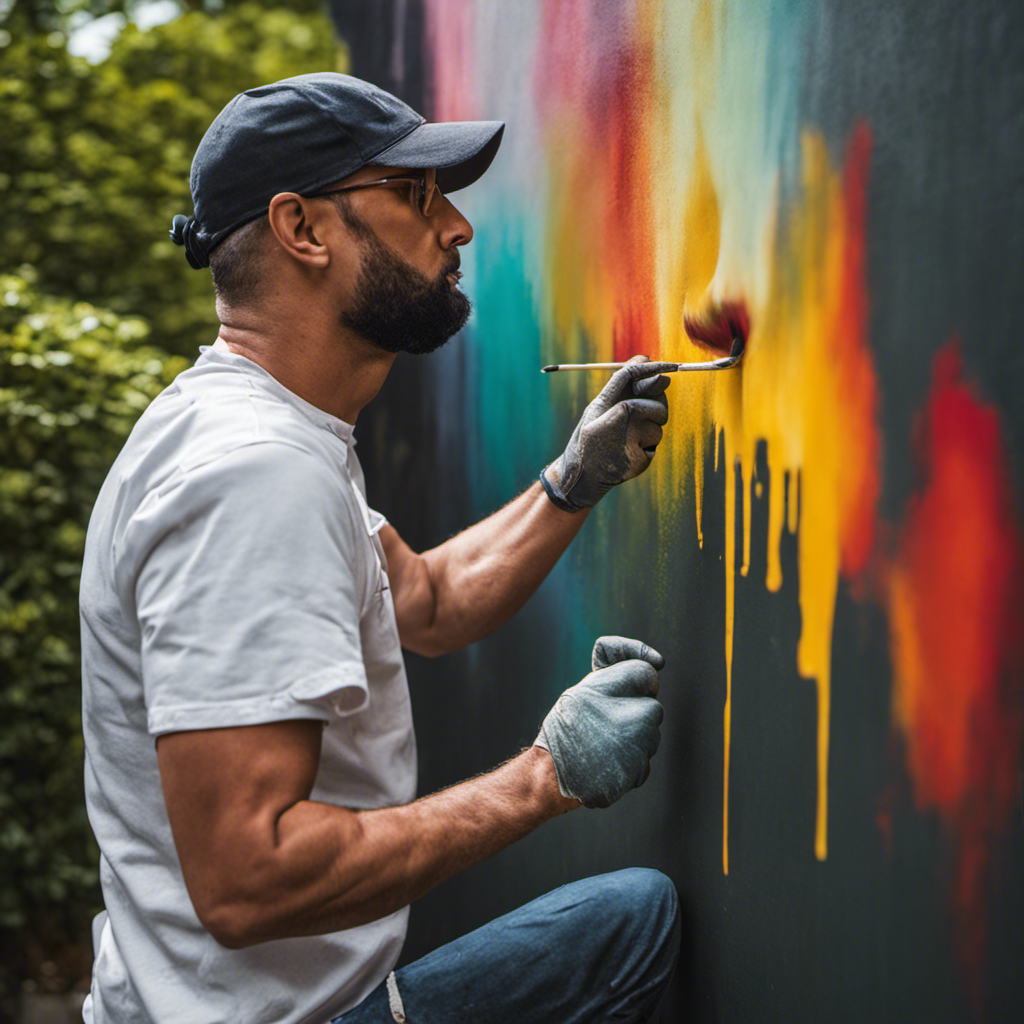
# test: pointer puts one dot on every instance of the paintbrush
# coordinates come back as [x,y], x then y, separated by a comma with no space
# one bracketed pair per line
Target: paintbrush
[723,328]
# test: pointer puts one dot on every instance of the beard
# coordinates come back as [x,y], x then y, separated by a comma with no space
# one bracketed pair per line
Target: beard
[397,308]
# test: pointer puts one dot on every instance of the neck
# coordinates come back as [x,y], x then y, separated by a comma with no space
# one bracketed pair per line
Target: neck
[328,366]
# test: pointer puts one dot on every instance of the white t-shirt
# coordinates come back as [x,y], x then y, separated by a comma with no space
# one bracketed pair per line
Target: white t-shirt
[233,576]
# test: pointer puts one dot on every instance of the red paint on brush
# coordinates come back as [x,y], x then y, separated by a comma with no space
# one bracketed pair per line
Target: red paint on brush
[957,646]
[860,481]
[719,326]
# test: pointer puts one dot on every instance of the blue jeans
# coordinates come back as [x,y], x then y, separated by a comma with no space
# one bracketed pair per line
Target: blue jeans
[595,951]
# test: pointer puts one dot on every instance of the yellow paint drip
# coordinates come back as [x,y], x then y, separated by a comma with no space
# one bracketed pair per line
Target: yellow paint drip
[730,628]
[728,415]
[789,393]
[748,501]
[792,500]
[797,412]
[698,482]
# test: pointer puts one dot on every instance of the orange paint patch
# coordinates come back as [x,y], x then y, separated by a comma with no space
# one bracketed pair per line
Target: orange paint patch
[955,613]
[859,483]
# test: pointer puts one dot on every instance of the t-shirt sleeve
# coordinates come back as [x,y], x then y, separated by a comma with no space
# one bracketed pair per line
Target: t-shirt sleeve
[249,580]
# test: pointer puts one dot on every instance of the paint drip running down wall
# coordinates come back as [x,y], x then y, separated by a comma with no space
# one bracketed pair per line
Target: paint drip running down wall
[656,161]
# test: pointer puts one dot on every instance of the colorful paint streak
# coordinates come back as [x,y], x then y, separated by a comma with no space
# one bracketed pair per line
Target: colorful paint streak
[657,162]
[956,610]
[631,247]
[629,259]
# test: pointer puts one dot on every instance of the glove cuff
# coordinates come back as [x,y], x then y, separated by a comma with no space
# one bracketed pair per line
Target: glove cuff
[542,742]
[556,499]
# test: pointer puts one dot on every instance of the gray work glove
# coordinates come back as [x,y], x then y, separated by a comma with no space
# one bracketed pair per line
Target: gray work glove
[603,732]
[614,439]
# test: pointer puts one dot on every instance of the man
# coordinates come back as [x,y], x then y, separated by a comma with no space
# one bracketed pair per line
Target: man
[250,764]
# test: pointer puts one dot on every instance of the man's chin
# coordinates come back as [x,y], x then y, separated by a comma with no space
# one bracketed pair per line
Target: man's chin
[424,345]
[419,345]
[408,321]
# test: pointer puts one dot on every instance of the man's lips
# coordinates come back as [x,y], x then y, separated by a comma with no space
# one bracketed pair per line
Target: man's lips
[454,276]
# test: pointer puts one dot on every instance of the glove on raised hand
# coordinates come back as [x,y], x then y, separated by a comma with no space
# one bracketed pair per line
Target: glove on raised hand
[614,439]
[603,732]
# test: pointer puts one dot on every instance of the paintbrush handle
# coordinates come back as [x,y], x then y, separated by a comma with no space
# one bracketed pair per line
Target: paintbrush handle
[712,364]
[582,366]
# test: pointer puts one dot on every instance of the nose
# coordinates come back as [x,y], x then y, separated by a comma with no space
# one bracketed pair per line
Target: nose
[453,228]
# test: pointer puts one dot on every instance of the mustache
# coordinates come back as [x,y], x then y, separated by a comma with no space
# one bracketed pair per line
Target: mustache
[454,264]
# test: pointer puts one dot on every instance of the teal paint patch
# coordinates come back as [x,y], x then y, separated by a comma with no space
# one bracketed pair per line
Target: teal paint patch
[508,398]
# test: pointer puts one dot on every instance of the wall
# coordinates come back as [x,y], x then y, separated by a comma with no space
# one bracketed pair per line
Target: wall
[829,548]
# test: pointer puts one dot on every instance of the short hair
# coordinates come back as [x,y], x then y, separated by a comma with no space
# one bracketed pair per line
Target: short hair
[236,263]
[343,204]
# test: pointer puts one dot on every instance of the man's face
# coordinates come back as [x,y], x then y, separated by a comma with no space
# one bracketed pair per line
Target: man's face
[394,305]
[397,308]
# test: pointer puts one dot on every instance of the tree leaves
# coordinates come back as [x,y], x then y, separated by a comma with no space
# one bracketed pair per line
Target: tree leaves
[95,158]
[97,309]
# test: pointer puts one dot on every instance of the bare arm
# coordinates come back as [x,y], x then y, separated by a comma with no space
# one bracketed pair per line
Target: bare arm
[459,592]
[467,587]
[262,861]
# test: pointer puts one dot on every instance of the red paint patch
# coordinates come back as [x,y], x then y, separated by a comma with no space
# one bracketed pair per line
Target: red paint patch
[956,614]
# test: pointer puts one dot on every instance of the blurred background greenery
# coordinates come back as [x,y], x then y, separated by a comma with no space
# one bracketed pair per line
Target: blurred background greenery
[98,311]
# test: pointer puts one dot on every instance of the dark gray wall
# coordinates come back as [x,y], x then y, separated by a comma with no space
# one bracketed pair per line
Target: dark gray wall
[866,935]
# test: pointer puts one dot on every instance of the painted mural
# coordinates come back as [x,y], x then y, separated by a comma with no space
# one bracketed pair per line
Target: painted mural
[834,527]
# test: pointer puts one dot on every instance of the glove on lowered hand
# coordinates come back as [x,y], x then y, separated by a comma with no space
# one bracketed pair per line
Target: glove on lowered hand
[614,439]
[603,732]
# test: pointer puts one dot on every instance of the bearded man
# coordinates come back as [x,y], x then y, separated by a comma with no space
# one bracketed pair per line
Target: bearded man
[250,758]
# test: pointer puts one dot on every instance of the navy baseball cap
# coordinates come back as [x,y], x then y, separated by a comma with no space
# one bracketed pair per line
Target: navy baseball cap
[302,135]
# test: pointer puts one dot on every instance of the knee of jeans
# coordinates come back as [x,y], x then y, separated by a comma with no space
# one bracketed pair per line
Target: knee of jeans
[649,895]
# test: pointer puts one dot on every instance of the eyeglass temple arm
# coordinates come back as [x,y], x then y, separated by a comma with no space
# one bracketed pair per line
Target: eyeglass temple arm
[366,184]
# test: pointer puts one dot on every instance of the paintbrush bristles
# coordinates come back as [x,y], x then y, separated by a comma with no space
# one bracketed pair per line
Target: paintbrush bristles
[719,326]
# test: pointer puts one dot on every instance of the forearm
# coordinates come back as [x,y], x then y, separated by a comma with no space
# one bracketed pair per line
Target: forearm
[327,868]
[483,576]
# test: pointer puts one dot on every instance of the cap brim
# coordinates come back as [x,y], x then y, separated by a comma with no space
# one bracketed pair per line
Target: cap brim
[460,150]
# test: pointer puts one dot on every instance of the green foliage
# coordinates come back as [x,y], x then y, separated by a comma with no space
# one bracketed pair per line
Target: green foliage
[97,307]
[57,15]
[76,377]
[94,159]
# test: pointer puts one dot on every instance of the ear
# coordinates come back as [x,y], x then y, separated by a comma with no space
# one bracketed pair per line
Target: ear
[298,225]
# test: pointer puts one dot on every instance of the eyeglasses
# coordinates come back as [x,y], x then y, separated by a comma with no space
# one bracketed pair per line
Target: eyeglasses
[422,188]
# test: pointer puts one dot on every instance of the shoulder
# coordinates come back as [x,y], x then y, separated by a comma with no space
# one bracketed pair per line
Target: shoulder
[216,407]
[267,507]
[217,423]
[253,486]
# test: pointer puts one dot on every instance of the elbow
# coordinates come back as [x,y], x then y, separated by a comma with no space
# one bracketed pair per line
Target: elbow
[427,646]
[424,625]
[431,641]
[233,927]
[235,917]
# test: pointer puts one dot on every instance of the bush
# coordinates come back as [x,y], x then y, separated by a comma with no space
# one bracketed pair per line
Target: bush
[94,299]
[94,159]
[76,377]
